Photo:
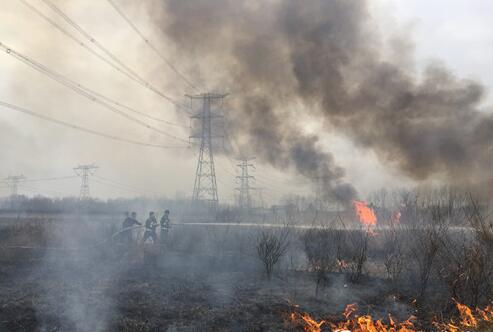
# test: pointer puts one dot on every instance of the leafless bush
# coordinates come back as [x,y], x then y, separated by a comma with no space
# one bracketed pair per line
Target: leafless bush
[322,248]
[394,257]
[426,238]
[355,253]
[271,247]
[466,259]
[467,271]
[481,223]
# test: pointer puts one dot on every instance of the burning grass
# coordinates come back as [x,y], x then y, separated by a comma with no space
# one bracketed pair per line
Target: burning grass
[350,321]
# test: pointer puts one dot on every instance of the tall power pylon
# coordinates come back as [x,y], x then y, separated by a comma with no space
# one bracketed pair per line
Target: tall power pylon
[205,186]
[84,171]
[245,198]
[13,183]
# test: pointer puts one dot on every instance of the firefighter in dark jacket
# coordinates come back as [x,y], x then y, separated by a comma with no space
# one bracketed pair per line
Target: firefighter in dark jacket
[128,223]
[165,226]
[151,225]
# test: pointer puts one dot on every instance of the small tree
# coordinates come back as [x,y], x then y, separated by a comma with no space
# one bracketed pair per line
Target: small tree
[356,252]
[466,259]
[322,251]
[393,254]
[425,245]
[271,247]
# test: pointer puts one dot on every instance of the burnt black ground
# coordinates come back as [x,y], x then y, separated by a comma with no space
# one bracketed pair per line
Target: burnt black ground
[150,290]
[201,279]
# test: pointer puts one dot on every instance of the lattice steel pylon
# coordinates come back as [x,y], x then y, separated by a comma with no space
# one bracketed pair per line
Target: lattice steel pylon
[13,183]
[84,171]
[205,185]
[245,198]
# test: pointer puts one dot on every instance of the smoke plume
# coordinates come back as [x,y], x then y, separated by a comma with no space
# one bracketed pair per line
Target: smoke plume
[288,61]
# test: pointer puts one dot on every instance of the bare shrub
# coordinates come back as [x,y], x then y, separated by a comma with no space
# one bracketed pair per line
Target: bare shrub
[481,223]
[393,253]
[322,248]
[467,271]
[355,253]
[426,238]
[271,247]
[466,259]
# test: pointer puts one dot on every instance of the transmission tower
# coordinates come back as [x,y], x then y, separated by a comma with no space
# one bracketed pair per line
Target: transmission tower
[245,198]
[205,186]
[13,183]
[84,171]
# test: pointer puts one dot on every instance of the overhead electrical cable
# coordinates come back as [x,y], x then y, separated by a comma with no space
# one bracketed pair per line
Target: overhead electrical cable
[151,45]
[123,185]
[84,91]
[46,179]
[44,190]
[50,179]
[83,129]
[114,58]
[82,44]
[104,183]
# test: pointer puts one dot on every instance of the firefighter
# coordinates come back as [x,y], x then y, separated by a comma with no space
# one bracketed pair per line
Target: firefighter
[151,225]
[130,221]
[165,226]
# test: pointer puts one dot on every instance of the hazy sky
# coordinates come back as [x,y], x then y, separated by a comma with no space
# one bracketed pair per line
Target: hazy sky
[457,32]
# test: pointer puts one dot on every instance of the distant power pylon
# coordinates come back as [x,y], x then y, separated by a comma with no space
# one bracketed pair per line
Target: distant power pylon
[84,171]
[205,186]
[13,183]
[245,198]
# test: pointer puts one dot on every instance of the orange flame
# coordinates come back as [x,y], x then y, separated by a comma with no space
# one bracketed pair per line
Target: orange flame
[352,323]
[467,318]
[470,320]
[350,308]
[308,323]
[365,214]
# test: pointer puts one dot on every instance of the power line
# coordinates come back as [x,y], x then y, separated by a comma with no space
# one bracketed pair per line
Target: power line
[79,128]
[81,90]
[118,187]
[50,179]
[73,38]
[82,44]
[125,186]
[131,109]
[47,179]
[131,72]
[44,190]
[155,49]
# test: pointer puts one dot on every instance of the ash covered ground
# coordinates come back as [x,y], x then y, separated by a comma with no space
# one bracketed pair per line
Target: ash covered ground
[204,278]
[78,276]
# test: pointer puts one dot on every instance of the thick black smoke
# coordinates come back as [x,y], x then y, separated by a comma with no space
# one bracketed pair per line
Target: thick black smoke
[286,61]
